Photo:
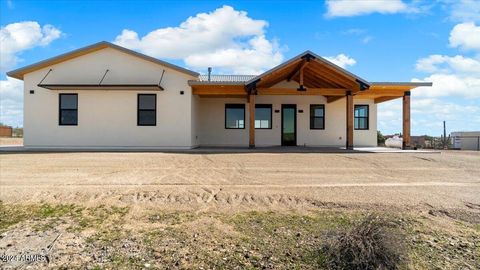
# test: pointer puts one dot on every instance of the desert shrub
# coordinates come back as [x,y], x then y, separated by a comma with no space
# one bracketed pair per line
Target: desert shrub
[372,243]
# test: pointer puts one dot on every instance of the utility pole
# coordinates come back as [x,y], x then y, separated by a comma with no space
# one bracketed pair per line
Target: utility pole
[444,139]
[444,130]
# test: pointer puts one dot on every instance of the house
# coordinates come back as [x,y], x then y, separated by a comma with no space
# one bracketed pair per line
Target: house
[106,96]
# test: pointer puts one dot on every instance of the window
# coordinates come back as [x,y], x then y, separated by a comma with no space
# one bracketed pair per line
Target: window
[68,113]
[263,116]
[147,110]
[234,116]
[361,117]
[317,116]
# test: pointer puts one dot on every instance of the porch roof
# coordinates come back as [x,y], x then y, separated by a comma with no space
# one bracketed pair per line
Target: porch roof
[314,75]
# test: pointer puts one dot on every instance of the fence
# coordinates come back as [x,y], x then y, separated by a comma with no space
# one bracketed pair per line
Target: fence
[6,131]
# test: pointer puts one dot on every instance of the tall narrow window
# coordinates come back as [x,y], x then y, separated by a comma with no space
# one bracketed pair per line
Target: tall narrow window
[234,116]
[147,110]
[317,116]
[263,116]
[361,117]
[68,113]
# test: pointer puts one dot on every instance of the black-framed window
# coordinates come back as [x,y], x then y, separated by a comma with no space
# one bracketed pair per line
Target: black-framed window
[317,116]
[68,109]
[234,116]
[263,116]
[147,110]
[361,117]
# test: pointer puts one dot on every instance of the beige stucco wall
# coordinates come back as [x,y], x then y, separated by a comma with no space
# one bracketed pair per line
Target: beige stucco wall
[108,118]
[211,127]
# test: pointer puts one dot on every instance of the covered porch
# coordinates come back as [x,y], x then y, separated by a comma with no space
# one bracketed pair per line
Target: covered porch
[294,90]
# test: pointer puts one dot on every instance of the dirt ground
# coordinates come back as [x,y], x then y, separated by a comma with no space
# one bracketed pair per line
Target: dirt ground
[243,180]
[232,211]
[11,141]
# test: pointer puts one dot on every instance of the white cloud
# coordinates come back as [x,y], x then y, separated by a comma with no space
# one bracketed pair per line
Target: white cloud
[464,10]
[341,60]
[448,64]
[21,36]
[466,36]
[11,102]
[367,39]
[346,8]
[428,115]
[224,38]
[451,76]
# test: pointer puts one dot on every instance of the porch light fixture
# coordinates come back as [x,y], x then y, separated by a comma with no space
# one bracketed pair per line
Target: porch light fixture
[301,88]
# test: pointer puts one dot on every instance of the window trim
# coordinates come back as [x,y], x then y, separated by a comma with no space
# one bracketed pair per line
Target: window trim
[138,110]
[60,109]
[263,106]
[234,106]
[313,116]
[362,117]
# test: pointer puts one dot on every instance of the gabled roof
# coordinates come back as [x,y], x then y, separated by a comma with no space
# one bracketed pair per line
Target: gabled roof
[296,62]
[19,73]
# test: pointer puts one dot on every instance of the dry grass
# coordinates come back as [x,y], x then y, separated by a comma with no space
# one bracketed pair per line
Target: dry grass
[372,243]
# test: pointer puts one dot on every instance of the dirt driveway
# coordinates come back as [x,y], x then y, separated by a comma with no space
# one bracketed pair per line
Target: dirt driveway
[244,180]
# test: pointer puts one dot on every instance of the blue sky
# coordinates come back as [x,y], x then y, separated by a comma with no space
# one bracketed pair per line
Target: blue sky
[378,40]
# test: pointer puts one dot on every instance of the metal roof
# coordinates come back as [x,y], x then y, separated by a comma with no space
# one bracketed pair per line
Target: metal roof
[19,73]
[226,78]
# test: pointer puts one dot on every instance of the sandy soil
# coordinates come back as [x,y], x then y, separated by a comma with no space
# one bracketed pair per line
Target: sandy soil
[244,181]
[11,141]
[181,211]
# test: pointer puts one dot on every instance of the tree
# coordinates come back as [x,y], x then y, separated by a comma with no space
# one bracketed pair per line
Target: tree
[380,138]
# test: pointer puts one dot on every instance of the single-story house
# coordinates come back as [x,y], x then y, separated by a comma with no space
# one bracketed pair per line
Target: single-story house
[106,96]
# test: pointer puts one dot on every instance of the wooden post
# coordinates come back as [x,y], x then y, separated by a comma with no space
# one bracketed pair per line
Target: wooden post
[349,106]
[251,123]
[406,120]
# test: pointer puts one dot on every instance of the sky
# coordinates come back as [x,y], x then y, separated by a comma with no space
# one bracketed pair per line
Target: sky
[379,40]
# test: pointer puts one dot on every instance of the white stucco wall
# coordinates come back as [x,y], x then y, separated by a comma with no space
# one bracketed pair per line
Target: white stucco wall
[212,132]
[108,118]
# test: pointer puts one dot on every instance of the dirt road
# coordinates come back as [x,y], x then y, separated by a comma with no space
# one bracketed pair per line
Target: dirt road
[244,180]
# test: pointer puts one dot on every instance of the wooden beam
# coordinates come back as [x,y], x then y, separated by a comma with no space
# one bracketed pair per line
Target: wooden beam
[391,87]
[301,75]
[349,129]
[222,96]
[381,92]
[331,99]
[406,120]
[335,75]
[332,76]
[295,72]
[278,75]
[218,90]
[310,91]
[251,123]
[383,99]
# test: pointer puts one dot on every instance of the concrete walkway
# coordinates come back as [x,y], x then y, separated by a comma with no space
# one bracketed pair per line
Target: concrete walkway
[219,150]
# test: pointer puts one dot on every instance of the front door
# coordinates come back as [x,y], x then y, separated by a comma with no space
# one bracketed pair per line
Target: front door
[289,124]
